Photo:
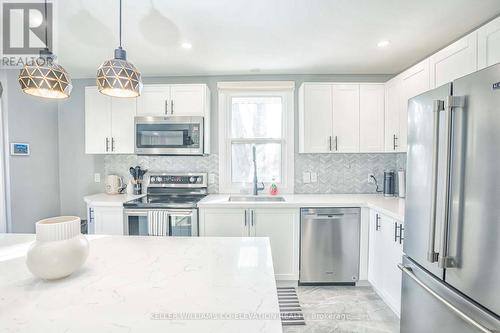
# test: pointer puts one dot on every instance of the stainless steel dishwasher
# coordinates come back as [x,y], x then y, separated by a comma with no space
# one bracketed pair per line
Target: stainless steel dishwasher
[329,245]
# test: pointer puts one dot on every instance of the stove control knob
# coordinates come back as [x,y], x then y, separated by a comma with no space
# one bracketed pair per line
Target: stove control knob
[192,179]
[158,179]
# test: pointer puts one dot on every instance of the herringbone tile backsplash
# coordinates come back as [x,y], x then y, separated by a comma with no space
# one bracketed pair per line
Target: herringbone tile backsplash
[337,173]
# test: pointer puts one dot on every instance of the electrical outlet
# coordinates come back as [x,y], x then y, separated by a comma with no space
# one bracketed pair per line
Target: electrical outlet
[370,179]
[97,177]
[211,178]
[314,177]
[306,177]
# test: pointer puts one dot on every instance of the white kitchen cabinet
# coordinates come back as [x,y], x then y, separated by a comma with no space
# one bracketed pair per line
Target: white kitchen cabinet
[371,117]
[109,123]
[385,253]
[315,113]
[107,220]
[230,222]
[393,111]
[454,61]
[174,100]
[488,44]
[345,118]
[414,81]
[154,100]
[280,225]
[282,228]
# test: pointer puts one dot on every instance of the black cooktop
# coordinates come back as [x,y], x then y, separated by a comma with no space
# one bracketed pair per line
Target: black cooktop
[164,201]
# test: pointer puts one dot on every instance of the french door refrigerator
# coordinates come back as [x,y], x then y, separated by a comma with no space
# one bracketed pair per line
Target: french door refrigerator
[451,266]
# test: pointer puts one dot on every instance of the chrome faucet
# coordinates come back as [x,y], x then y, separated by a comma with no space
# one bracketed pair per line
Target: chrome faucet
[256,187]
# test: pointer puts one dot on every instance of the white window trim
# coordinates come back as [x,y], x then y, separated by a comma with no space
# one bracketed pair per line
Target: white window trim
[227,90]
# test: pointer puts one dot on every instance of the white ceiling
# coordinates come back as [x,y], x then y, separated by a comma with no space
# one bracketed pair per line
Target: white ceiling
[263,36]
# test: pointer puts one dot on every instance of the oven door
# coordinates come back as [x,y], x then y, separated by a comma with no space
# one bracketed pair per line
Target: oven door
[181,222]
[169,135]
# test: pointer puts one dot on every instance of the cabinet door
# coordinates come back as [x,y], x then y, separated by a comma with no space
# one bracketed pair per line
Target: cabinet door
[371,117]
[223,222]
[488,44]
[97,122]
[393,111]
[376,251]
[454,61]
[316,118]
[122,125]
[108,220]
[414,82]
[188,100]
[394,255]
[346,118]
[282,228]
[154,100]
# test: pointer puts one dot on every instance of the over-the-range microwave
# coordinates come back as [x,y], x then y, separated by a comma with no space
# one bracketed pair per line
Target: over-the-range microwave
[169,135]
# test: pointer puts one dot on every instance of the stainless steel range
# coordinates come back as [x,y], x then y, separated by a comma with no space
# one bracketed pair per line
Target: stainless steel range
[169,208]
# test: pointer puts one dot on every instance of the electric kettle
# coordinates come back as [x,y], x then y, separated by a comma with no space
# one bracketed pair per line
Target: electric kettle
[114,184]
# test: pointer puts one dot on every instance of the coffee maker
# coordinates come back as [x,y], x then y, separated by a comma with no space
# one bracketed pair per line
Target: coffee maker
[389,183]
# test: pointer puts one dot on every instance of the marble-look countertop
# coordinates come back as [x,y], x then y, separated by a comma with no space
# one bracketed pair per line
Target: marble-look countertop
[145,284]
[391,206]
[103,199]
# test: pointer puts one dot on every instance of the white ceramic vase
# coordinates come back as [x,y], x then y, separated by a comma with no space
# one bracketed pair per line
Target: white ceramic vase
[59,249]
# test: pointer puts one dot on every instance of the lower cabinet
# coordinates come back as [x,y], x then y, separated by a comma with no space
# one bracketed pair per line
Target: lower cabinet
[385,253]
[280,225]
[106,220]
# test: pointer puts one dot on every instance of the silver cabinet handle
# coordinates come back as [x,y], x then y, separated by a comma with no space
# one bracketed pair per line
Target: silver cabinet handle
[330,142]
[112,144]
[107,144]
[166,106]
[172,106]
[408,271]
[432,255]
[245,218]
[336,143]
[394,145]
[377,222]
[252,219]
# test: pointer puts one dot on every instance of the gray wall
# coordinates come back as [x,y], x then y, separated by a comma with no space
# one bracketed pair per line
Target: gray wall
[76,169]
[34,179]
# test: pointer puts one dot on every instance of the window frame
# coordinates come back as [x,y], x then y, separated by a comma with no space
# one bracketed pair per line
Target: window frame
[228,90]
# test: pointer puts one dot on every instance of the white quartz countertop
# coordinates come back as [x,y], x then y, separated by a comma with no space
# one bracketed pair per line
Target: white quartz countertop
[145,284]
[394,207]
[103,199]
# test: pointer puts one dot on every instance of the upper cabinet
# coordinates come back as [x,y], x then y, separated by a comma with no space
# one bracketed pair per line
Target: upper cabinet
[393,111]
[332,114]
[454,61]
[345,136]
[173,100]
[315,113]
[371,117]
[488,44]
[109,123]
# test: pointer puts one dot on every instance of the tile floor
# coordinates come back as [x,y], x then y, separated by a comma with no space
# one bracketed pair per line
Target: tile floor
[332,309]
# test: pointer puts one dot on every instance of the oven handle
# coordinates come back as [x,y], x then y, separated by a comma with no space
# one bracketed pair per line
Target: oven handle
[136,212]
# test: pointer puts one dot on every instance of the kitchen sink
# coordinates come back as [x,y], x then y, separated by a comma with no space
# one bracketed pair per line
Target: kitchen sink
[255,198]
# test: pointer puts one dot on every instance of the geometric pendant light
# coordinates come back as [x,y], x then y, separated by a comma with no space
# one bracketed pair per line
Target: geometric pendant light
[43,77]
[118,77]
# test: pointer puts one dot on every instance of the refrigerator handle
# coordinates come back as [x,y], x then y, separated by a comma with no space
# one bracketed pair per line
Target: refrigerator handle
[432,255]
[408,271]
[451,103]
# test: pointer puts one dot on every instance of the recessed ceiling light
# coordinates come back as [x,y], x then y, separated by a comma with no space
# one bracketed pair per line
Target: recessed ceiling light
[383,43]
[186,45]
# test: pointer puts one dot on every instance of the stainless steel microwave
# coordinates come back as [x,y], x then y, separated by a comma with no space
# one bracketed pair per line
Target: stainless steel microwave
[169,135]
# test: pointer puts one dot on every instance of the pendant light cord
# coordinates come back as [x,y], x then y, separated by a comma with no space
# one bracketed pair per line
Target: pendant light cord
[120,24]
[46,29]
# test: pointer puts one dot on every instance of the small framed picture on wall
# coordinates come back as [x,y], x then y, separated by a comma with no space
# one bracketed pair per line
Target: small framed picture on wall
[19,149]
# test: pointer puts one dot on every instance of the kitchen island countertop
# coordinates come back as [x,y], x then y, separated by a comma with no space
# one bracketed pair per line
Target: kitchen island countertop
[145,284]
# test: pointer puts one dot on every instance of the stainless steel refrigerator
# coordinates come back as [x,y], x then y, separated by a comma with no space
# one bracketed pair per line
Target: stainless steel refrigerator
[451,266]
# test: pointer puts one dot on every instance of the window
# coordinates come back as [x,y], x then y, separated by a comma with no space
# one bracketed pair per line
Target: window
[260,115]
